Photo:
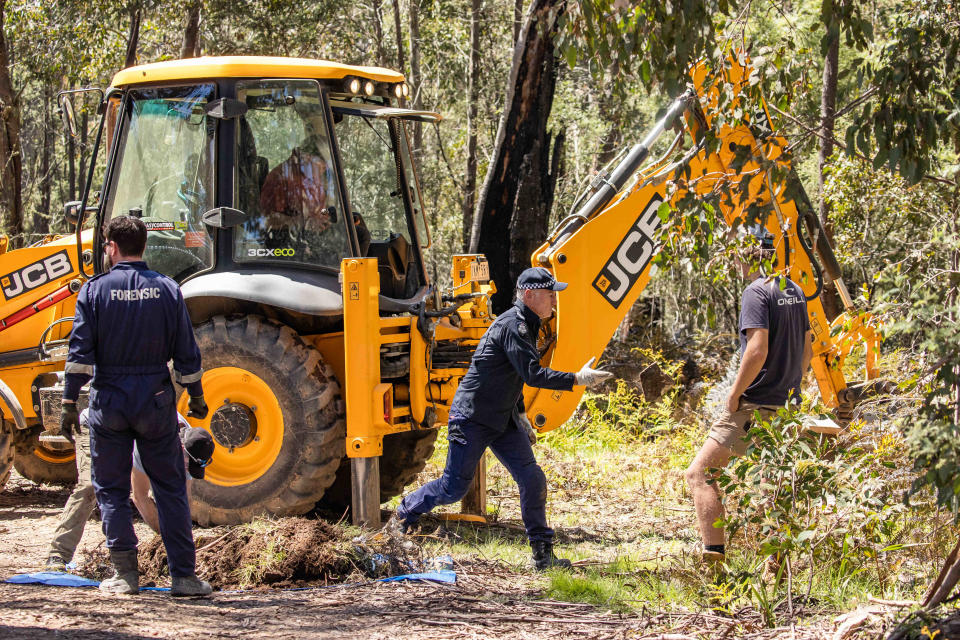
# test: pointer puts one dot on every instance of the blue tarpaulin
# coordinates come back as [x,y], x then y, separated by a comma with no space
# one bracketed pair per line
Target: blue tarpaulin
[60,579]
[52,578]
[432,576]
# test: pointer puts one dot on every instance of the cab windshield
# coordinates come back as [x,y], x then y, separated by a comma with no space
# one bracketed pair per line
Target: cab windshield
[165,175]
[285,179]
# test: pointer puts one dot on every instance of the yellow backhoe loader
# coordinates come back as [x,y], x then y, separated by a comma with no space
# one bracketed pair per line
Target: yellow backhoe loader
[330,358]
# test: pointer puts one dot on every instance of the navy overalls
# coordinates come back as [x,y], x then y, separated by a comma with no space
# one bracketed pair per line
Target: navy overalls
[481,416]
[128,324]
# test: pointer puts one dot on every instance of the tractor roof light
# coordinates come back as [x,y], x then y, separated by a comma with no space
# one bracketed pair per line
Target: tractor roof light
[368,88]
[398,90]
[355,85]
[406,90]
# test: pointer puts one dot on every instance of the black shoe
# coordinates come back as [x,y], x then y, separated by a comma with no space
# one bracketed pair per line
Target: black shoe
[544,559]
[55,562]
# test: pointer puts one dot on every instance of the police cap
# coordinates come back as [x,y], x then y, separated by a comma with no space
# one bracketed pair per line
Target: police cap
[538,278]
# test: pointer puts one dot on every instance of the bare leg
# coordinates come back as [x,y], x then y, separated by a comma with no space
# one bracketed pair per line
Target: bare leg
[141,498]
[706,496]
[144,501]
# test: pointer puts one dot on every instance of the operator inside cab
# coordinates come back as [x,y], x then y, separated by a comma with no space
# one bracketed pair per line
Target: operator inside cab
[297,199]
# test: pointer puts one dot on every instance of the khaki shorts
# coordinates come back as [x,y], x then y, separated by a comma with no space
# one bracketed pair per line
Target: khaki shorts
[730,430]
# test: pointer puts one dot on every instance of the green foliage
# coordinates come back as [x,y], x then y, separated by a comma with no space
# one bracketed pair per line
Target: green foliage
[928,315]
[593,587]
[630,36]
[913,70]
[810,501]
[882,225]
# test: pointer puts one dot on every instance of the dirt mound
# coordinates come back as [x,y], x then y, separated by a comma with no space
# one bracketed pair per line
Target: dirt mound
[279,553]
[95,564]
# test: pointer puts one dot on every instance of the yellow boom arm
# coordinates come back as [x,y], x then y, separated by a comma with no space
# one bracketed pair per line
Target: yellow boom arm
[605,251]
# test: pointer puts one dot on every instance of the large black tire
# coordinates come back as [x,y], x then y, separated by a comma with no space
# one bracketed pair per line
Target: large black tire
[404,456]
[314,428]
[42,465]
[6,451]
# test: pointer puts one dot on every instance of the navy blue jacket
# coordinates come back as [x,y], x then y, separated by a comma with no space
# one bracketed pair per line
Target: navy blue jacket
[506,358]
[129,323]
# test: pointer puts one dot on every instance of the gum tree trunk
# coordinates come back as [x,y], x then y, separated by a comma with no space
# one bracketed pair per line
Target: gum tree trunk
[517,196]
[11,157]
[473,96]
[828,110]
[191,33]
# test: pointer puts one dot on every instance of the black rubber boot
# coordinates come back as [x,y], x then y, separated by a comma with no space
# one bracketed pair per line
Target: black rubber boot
[126,573]
[190,586]
[544,559]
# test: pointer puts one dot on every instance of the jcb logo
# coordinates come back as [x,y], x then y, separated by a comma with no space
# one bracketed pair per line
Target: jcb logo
[35,274]
[270,253]
[631,257]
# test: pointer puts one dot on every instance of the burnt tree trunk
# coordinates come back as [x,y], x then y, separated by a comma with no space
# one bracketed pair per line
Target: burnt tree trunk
[11,157]
[473,96]
[41,222]
[514,204]
[828,110]
[396,22]
[378,32]
[190,48]
[84,129]
[133,37]
[517,19]
[415,78]
[71,167]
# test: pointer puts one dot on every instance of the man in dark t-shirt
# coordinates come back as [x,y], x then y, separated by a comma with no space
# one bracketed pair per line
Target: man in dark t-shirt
[775,351]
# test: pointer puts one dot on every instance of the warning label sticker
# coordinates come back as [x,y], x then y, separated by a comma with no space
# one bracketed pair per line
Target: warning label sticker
[193,239]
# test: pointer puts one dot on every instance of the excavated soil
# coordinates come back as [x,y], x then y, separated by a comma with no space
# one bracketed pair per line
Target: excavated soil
[287,552]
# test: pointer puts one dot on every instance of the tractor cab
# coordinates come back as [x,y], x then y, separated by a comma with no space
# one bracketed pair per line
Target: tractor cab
[268,186]
[310,170]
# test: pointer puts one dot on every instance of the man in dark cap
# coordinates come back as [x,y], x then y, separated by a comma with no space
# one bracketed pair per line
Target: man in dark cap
[488,411]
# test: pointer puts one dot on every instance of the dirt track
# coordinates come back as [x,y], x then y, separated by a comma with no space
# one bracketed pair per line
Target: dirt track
[488,601]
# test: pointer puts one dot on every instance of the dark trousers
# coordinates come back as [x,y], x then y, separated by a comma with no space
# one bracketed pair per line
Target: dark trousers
[153,427]
[468,441]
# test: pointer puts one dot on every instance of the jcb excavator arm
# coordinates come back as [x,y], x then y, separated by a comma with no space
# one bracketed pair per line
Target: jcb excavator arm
[605,250]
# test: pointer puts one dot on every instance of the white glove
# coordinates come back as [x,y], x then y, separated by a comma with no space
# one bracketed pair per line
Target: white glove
[591,377]
[524,423]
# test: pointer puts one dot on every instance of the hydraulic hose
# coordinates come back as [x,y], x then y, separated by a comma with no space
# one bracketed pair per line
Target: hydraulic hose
[625,170]
[807,249]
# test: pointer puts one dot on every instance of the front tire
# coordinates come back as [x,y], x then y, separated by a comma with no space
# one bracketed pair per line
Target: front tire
[40,464]
[276,417]
[6,451]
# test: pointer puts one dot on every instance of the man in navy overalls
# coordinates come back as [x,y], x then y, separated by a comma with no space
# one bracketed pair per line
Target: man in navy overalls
[488,411]
[129,323]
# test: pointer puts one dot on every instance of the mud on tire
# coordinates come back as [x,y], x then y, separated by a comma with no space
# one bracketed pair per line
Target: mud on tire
[41,465]
[313,416]
[6,451]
